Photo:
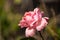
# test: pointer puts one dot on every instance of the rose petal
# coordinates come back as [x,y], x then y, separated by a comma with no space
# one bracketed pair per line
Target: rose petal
[29,32]
[23,24]
[42,25]
[46,18]
[42,12]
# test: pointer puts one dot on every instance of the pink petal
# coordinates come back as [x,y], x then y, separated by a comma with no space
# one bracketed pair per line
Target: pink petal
[46,18]
[42,12]
[22,24]
[29,32]
[42,25]
[36,10]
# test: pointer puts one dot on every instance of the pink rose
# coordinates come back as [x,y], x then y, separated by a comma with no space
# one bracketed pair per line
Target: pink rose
[33,20]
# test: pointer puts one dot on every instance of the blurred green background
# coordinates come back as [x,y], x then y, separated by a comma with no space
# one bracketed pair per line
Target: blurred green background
[11,12]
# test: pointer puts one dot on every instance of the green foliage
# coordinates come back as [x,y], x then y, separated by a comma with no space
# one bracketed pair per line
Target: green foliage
[53,29]
[17,1]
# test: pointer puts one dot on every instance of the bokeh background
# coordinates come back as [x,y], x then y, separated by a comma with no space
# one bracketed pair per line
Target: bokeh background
[11,12]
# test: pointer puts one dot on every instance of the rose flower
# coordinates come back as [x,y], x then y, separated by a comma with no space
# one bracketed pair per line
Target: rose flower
[33,21]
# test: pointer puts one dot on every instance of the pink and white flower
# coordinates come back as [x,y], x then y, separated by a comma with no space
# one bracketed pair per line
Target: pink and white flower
[33,20]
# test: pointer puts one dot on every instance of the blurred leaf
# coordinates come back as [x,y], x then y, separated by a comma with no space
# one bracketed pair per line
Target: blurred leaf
[17,1]
[51,28]
[17,38]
